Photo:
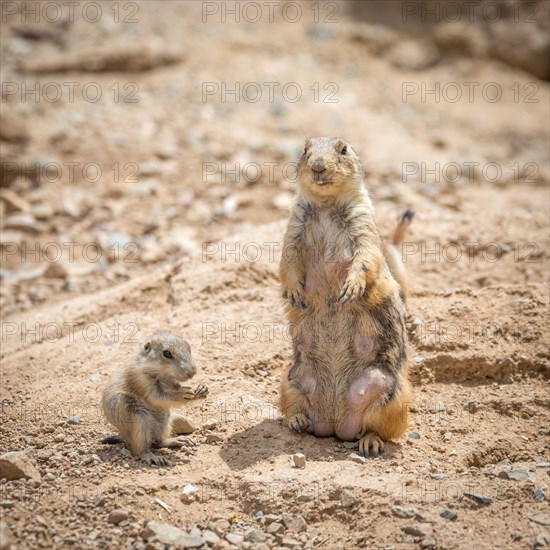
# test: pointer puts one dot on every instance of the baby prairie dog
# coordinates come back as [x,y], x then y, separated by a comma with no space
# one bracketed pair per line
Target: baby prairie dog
[138,400]
[345,292]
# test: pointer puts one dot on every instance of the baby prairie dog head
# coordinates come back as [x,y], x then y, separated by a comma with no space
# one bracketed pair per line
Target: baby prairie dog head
[168,355]
[329,167]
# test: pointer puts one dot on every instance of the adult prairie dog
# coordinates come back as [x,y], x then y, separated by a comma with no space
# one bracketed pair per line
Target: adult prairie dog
[345,292]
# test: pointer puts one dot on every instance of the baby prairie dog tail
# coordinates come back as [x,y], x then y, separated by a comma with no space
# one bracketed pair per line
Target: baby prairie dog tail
[393,252]
[138,400]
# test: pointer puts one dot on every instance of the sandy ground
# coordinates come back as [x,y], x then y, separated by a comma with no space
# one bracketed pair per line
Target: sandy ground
[477,259]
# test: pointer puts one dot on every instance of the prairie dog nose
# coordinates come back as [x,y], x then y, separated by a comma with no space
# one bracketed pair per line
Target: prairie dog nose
[318,165]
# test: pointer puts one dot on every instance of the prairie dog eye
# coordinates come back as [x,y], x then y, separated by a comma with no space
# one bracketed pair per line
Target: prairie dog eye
[344,150]
[305,151]
[168,354]
[147,346]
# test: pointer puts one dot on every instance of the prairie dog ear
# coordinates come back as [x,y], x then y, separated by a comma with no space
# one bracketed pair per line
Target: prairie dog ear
[307,143]
[147,347]
[342,146]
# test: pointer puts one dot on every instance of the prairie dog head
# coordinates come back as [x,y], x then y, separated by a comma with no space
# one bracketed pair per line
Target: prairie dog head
[169,355]
[329,167]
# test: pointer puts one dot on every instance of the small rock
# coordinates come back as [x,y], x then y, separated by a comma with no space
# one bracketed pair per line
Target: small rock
[17,465]
[538,495]
[234,538]
[94,377]
[59,438]
[438,407]
[427,543]
[413,435]
[294,522]
[541,518]
[254,535]
[210,537]
[438,476]
[542,541]
[189,494]
[347,498]
[220,526]
[357,458]
[448,514]
[210,424]
[276,528]
[479,499]
[418,359]
[417,530]
[182,426]
[516,475]
[447,436]
[117,516]
[290,543]
[299,460]
[56,271]
[74,419]
[213,438]
[168,534]
[470,406]
[404,513]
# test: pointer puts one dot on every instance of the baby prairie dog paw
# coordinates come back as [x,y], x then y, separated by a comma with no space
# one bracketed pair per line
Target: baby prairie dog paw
[295,295]
[187,392]
[201,391]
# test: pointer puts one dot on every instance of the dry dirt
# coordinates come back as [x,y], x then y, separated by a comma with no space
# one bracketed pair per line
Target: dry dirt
[477,257]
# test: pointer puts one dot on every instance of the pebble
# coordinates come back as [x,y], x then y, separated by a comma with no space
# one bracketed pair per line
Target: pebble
[290,543]
[59,438]
[94,377]
[254,535]
[404,513]
[117,516]
[417,530]
[438,476]
[448,514]
[210,537]
[470,406]
[347,498]
[357,458]
[56,271]
[74,420]
[276,528]
[516,475]
[294,522]
[299,460]
[427,543]
[168,534]
[220,526]
[210,424]
[479,499]
[538,495]
[17,465]
[447,436]
[189,494]
[234,538]
[413,435]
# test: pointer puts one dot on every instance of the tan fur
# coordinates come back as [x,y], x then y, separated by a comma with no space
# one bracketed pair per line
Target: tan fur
[346,306]
[139,399]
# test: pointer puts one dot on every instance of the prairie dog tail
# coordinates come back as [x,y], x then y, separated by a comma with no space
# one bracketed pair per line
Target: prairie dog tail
[393,252]
[401,229]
